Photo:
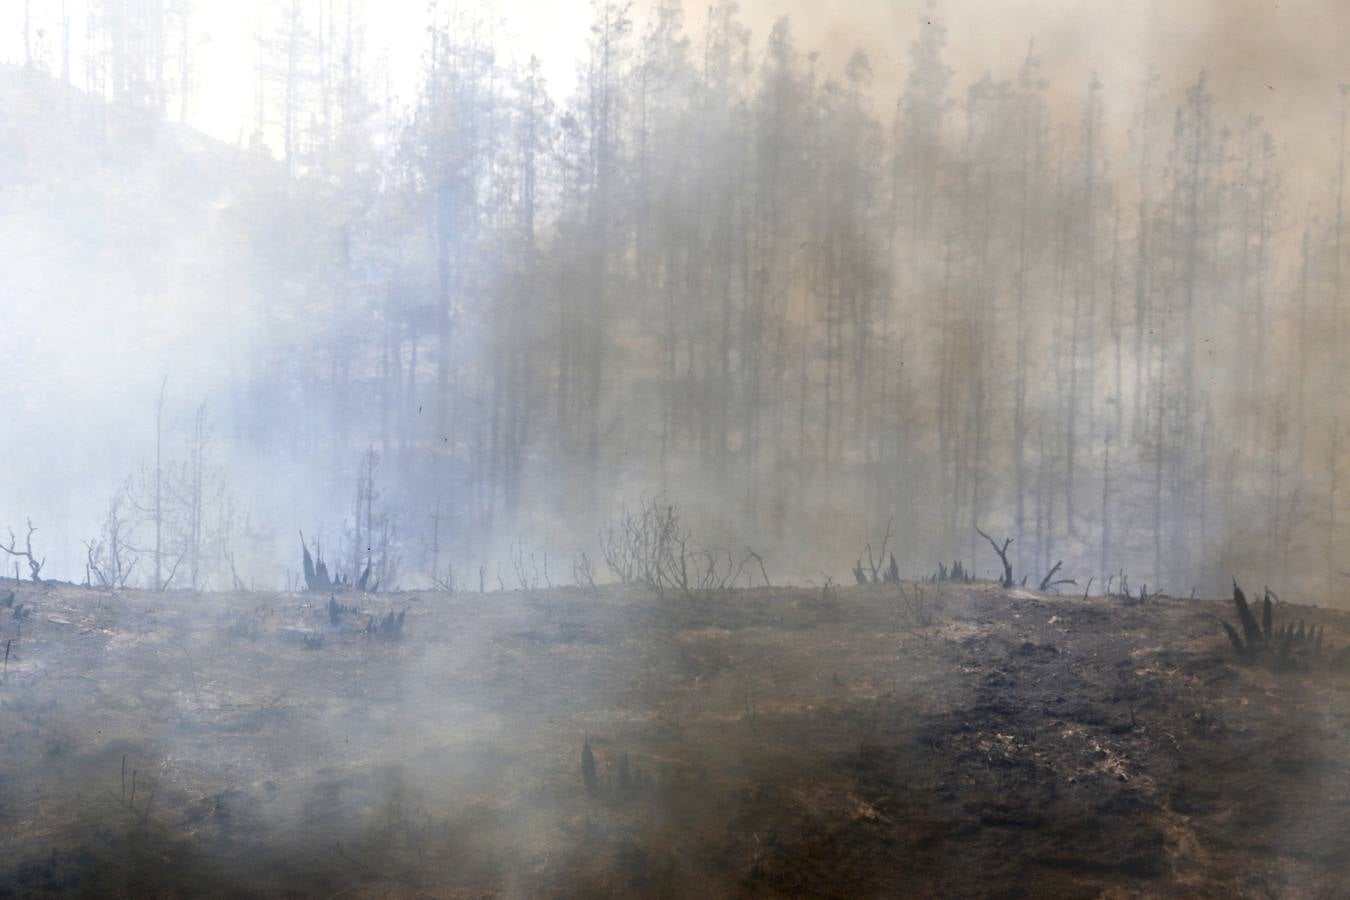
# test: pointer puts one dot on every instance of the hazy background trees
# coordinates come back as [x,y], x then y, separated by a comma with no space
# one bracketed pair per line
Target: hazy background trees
[712,265]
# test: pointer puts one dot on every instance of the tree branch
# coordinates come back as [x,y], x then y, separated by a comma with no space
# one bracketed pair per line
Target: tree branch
[1007,580]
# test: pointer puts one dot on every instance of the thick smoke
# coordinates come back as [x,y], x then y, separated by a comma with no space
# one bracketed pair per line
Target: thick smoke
[802,275]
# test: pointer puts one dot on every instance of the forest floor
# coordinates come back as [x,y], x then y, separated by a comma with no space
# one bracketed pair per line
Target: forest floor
[768,742]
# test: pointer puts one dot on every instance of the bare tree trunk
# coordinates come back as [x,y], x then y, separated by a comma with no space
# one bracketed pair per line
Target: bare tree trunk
[1105,556]
[158,501]
[28,33]
[1333,461]
[1142,263]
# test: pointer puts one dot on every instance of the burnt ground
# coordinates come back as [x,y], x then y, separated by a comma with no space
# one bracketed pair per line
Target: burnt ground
[769,742]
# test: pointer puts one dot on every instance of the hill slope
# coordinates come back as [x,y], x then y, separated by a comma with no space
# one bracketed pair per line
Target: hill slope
[773,742]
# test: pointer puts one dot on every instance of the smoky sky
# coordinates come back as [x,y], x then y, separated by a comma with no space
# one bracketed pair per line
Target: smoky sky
[1280,60]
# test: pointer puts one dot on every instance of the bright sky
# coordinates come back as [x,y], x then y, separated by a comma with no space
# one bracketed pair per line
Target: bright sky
[555,30]
[1282,59]
[222,101]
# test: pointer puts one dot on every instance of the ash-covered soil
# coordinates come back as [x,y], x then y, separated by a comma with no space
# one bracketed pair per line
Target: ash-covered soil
[769,742]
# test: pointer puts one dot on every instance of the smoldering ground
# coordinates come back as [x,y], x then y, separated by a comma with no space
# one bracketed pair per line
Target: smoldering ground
[912,739]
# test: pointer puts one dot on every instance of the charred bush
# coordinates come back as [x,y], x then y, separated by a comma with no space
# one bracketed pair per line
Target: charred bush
[337,610]
[876,571]
[1124,596]
[389,628]
[1292,646]
[316,570]
[527,567]
[916,606]
[652,547]
[245,627]
[588,773]
[958,573]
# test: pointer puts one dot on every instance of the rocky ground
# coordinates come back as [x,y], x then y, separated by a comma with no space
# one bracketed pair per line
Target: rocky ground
[923,740]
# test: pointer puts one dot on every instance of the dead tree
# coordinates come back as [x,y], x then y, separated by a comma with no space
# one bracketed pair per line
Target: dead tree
[34,566]
[524,567]
[583,572]
[110,560]
[373,536]
[104,568]
[1007,580]
[764,573]
[128,800]
[873,564]
[235,580]
[155,506]
[1050,583]
[449,582]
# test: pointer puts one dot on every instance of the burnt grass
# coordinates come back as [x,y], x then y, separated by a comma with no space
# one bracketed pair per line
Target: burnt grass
[769,742]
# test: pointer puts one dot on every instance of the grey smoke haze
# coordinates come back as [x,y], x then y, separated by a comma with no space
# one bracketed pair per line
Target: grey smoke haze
[785,349]
[458,291]
[1280,60]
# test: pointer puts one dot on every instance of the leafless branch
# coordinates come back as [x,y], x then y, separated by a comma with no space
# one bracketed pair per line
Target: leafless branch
[583,572]
[1007,580]
[1049,578]
[34,566]
[762,571]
